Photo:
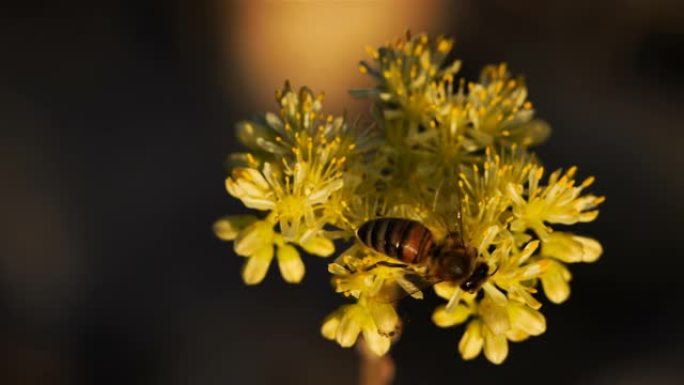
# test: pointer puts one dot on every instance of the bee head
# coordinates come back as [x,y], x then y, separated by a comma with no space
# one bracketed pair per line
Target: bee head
[455,262]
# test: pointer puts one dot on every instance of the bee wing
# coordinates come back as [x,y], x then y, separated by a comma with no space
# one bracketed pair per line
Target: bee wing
[410,284]
[447,207]
[414,283]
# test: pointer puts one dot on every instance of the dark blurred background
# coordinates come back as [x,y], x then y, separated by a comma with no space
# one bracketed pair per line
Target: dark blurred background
[116,117]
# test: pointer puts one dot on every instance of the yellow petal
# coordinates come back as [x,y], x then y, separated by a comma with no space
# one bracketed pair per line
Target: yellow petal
[320,246]
[445,319]
[528,320]
[330,324]
[290,264]
[495,294]
[251,178]
[274,121]
[377,343]
[521,294]
[248,132]
[337,269]
[495,346]
[444,289]
[588,216]
[257,203]
[561,245]
[516,335]
[555,283]
[470,345]
[488,237]
[349,328]
[254,270]
[323,194]
[251,188]
[512,190]
[537,131]
[253,238]
[494,316]
[518,225]
[385,317]
[527,252]
[592,249]
[570,248]
[532,270]
[228,228]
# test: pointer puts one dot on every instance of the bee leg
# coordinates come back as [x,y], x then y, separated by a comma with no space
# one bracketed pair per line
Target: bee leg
[386,264]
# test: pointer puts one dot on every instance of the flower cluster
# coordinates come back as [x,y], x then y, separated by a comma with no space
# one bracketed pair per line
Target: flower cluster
[296,161]
[455,156]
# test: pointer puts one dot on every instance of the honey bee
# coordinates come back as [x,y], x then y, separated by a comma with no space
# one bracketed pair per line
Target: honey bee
[413,245]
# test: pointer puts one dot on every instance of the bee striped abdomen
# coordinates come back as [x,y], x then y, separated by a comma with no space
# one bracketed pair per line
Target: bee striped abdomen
[403,239]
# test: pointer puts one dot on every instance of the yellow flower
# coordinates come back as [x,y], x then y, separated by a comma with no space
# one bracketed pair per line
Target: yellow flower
[491,326]
[300,164]
[377,321]
[557,202]
[565,248]
[255,240]
[295,196]
[518,271]
[497,170]
[512,322]
[404,70]
[296,163]
[500,110]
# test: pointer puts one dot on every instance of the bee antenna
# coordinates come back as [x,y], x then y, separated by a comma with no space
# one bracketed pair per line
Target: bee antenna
[494,272]
[437,192]
[459,214]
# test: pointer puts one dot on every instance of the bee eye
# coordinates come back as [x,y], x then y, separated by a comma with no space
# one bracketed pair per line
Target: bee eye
[456,270]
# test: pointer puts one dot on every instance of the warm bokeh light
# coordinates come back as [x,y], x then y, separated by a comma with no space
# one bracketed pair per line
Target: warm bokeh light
[317,43]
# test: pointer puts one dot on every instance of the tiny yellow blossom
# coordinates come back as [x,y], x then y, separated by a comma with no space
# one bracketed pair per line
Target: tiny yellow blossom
[454,155]
[500,110]
[557,202]
[255,240]
[376,321]
[491,326]
[297,162]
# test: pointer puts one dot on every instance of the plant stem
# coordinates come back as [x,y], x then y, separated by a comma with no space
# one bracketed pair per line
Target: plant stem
[374,369]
